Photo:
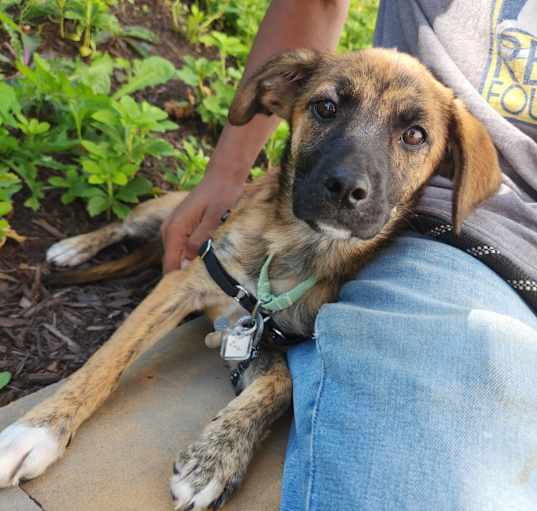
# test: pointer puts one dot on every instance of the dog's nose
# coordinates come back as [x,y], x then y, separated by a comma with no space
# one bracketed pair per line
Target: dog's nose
[346,187]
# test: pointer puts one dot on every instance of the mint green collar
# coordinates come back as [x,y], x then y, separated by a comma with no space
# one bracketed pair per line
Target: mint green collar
[273,303]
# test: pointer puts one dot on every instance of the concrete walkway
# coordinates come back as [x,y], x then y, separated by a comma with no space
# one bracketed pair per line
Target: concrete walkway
[122,457]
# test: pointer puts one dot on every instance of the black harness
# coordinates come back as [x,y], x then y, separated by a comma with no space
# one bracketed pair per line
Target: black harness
[273,337]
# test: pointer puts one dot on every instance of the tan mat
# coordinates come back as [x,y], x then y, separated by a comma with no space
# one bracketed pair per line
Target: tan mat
[121,459]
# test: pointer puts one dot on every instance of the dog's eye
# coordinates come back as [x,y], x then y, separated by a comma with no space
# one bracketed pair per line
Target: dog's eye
[324,110]
[414,136]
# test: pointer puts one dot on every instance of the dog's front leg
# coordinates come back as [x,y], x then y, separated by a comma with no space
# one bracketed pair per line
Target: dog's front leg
[39,438]
[207,472]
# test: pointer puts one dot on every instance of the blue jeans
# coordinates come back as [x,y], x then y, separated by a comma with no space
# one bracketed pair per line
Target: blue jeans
[419,392]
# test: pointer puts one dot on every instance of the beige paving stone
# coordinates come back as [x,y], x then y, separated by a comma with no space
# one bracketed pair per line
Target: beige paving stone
[14,499]
[122,457]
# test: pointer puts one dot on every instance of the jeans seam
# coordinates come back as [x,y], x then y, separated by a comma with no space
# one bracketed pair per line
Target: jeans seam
[314,418]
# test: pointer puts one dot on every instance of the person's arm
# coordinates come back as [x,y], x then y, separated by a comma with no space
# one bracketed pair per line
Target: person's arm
[287,24]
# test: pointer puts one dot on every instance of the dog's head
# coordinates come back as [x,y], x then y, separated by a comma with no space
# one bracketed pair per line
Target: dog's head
[368,129]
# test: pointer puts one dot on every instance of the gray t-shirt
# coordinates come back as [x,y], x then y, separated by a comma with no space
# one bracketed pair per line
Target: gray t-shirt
[486,51]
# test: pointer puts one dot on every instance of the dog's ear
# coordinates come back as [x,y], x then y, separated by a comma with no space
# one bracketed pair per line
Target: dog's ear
[273,88]
[476,172]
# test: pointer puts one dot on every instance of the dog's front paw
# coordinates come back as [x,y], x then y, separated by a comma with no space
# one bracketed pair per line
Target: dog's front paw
[73,251]
[204,478]
[25,452]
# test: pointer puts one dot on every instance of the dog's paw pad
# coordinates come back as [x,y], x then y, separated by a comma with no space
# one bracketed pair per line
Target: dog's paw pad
[71,251]
[26,452]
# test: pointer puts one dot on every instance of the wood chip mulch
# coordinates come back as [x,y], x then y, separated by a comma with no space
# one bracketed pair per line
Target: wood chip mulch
[46,334]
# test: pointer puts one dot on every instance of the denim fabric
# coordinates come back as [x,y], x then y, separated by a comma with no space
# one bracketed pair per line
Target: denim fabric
[419,392]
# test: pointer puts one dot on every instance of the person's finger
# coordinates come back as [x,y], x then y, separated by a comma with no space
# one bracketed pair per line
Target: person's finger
[175,238]
[173,251]
[209,223]
[164,228]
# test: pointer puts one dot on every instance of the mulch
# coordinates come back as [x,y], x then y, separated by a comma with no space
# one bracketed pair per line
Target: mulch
[48,332]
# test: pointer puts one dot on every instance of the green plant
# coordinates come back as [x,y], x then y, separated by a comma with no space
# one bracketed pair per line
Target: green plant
[213,91]
[103,138]
[61,8]
[10,184]
[146,73]
[25,144]
[192,162]
[5,378]
[227,46]
[275,146]
[196,72]
[115,159]
[90,17]
[214,107]
[21,45]
[360,25]
[214,82]
[193,21]
[242,19]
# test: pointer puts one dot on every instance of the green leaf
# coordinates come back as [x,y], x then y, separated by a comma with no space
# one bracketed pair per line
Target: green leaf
[92,191]
[91,167]
[120,210]
[99,150]
[9,104]
[159,147]
[140,33]
[5,207]
[97,76]
[96,179]
[188,76]
[58,182]
[5,376]
[147,73]
[126,106]
[119,178]
[105,116]
[32,203]
[97,205]
[134,189]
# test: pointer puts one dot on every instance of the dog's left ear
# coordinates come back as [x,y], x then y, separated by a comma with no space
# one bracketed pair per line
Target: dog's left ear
[273,88]
[477,174]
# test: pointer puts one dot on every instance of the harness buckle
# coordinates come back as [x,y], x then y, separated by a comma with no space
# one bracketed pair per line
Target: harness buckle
[241,293]
[208,246]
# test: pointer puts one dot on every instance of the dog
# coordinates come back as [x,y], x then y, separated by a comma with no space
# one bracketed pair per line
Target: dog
[368,130]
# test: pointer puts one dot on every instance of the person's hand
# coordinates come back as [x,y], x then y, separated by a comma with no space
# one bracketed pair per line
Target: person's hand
[192,222]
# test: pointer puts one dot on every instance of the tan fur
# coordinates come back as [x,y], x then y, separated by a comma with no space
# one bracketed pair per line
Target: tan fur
[477,174]
[263,223]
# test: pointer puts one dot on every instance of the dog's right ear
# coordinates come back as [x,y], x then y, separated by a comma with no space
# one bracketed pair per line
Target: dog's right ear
[477,174]
[273,88]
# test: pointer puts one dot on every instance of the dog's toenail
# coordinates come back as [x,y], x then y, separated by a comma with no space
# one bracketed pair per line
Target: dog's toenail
[175,471]
[189,508]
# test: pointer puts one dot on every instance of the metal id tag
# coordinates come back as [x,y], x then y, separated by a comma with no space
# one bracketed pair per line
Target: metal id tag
[238,341]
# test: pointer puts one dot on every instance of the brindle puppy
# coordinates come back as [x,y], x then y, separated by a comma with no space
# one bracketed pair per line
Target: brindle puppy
[368,130]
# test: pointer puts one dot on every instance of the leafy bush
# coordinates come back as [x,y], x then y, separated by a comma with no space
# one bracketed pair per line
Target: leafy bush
[102,139]
[193,161]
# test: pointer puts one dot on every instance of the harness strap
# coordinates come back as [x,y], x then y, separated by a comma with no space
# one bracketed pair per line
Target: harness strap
[273,337]
[223,279]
